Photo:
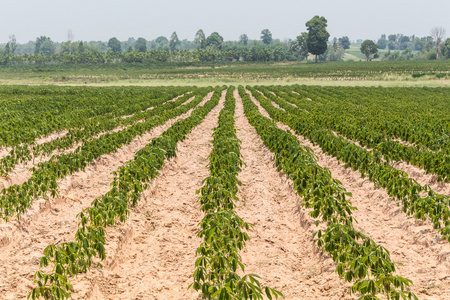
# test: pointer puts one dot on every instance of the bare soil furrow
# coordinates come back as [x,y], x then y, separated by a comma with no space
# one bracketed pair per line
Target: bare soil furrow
[422,177]
[414,172]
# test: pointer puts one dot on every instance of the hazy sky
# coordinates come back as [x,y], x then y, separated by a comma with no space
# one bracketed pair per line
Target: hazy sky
[103,19]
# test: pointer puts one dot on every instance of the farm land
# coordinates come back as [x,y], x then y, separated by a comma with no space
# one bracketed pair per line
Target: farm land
[302,181]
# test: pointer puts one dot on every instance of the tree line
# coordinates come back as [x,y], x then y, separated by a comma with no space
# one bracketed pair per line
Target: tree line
[404,47]
[213,48]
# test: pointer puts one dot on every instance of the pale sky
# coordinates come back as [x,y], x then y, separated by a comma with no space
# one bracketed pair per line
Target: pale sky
[102,19]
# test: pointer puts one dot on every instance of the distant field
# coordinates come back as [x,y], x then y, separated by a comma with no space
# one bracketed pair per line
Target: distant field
[355,54]
[384,73]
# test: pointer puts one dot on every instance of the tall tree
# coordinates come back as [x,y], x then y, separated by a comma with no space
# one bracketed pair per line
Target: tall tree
[80,47]
[48,47]
[174,42]
[392,37]
[266,36]
[317,35]
[382,42]
[392,44]
[345,42]
[115,45]
[161,40]
[404,42]
[200,39]
[243,39]
[7,49]
[140,45]
[162,43]
[369,48]
[438,34]
[216,33]
[214,41]
[419,44]
[303,45]
[44,45]
[399,39]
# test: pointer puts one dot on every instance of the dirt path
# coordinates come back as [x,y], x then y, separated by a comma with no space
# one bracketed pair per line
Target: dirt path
[413,243]
[422,177]
[281,249]
[153,107]
[154,252]
[51,222]
[416,173]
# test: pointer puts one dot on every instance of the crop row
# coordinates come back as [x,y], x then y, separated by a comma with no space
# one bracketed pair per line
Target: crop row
[32,113]
[16,199]
[92,127]
[415,115]
[330,117]
[359,259]
[434,162]
[398,184]
[130,180]
[222,230]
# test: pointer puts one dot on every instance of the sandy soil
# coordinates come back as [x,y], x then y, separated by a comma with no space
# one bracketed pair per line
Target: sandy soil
[277,106]
[281,249]
[51,222]
[414,172]
[22,173]
[152,107]
[415,244]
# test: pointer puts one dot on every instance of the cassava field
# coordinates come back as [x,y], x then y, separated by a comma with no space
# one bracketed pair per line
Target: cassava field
[260,190]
